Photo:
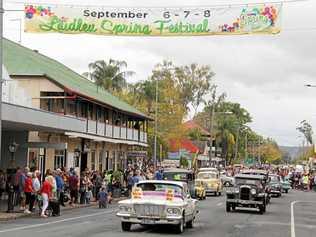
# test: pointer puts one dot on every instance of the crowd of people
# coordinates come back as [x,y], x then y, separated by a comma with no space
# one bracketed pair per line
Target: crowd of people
[57,187]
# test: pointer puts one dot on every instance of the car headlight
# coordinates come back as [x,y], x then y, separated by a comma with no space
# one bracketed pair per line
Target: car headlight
[174,211]
[126,209]
[236,190]
[253,191]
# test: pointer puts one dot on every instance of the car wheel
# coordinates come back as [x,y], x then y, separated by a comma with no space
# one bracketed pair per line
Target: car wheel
[215,194]
[286,190]
[126,226]
[262,209]
[219,193]
[227,207]
[233,207]
[180,226]
[190,224]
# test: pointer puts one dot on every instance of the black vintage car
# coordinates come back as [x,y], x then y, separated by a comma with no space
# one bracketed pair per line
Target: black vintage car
[248,191]
[265,178]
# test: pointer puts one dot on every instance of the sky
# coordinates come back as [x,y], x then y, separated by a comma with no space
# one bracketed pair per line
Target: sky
[266,74]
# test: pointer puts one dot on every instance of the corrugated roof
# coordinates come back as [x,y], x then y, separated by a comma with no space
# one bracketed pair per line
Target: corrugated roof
[22,61]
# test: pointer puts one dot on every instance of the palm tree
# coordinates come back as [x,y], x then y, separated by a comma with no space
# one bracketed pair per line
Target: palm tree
[109,75]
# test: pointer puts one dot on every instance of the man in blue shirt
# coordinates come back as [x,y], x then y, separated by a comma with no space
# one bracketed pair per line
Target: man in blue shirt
[60,187]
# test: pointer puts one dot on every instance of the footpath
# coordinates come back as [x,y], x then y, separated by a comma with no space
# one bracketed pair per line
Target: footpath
[4,216]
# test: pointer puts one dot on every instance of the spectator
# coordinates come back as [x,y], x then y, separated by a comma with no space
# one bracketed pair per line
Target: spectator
[46,193]
[98,184]
[73,187]
[60,187]
[2,183]
[29,193]
[103,198]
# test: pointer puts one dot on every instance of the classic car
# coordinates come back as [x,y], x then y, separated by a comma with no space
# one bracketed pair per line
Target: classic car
[211,182]
[248,191]
[275,185]
[285,183]
[227,180]
[206,169]
[265,176]
[183,175]
[156,202]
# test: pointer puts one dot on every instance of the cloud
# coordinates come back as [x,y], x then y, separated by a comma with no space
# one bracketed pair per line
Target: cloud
[265,74]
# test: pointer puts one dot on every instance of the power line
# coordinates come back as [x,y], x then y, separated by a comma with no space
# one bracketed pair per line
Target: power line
[159,7]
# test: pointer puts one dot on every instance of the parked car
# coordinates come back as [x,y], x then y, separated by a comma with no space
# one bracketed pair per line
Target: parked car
[158,202]
[248,191]
[275,185]
[211,182]
[285,184]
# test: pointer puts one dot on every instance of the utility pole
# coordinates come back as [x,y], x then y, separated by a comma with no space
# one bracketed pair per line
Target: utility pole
[156,118]
[211,132]
[1,66]
[246,146]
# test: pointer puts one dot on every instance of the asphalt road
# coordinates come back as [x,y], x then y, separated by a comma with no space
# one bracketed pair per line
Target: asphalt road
[292,215]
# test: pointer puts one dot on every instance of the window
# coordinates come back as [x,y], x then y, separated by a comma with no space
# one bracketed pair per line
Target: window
[71,107]
[93,160]
[59,159]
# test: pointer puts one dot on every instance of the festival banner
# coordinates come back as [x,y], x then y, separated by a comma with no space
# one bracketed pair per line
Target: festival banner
[184,21]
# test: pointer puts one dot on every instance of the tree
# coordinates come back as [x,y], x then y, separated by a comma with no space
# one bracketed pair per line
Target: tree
[306,129]
[109,75]
[194,82]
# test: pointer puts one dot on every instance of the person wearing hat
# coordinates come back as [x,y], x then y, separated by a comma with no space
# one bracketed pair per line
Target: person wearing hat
[29,193]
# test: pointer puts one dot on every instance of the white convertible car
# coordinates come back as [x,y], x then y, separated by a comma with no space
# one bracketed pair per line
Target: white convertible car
[158,202]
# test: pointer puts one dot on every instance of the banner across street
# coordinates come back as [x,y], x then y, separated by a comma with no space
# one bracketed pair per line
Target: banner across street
[182,21]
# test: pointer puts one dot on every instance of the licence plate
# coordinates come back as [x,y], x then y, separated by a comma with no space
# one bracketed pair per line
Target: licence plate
[148,222]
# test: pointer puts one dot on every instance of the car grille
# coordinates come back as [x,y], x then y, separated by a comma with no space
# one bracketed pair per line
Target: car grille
[245,193]
[148,210]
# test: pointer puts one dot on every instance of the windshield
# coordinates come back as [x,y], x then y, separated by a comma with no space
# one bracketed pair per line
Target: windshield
[206,176]
[176,176]
[159,187]
[254,182]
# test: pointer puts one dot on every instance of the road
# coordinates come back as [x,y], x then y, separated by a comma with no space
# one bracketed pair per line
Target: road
[212,221]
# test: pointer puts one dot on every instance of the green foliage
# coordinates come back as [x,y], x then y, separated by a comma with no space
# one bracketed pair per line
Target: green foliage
[109,75]
[184,163]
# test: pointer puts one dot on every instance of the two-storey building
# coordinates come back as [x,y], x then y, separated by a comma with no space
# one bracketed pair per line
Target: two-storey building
[71,122]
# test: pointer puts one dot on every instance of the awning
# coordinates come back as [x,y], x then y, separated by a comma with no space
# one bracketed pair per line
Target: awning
[104,139]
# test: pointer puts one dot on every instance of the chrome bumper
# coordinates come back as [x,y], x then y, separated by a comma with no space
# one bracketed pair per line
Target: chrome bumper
[245,202]
[170,220]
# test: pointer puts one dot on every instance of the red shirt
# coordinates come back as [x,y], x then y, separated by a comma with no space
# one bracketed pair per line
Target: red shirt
[47,188]
[28,187]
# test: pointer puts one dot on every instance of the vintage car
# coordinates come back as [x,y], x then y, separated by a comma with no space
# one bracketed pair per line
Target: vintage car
[275,185]
[285,183]
[159,202]
[211,182]
[248,191]
[227,180]
[265,176]
[183,175]
[206,169]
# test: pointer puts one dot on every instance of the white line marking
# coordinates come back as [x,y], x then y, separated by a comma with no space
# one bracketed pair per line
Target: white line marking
[55,222]
[292,219]
[219,204]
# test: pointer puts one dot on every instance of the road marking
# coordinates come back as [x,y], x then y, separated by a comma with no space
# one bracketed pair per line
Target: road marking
[219,204]
[292,219]
[55,222]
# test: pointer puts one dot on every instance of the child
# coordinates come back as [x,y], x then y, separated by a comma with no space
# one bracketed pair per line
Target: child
[103,198]
[88,195]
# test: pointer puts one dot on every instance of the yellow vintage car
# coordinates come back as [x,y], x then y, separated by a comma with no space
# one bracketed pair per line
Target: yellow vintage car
[199,189]
[211,182]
